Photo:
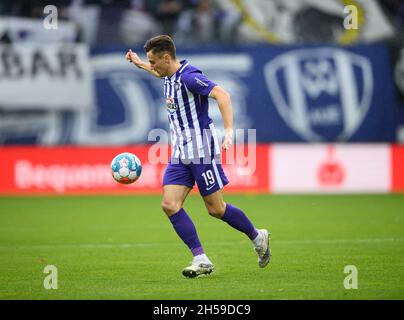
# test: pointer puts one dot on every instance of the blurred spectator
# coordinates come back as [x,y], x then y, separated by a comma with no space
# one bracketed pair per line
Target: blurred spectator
[137,25]
[86,14]
[166,12]
[117,22]
[110,15]
[396,10]
[23,20]
[230,19]
[7,7]
[196,24]
[32,9]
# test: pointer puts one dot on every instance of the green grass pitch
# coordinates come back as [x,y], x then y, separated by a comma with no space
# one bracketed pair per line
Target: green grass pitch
[123,247]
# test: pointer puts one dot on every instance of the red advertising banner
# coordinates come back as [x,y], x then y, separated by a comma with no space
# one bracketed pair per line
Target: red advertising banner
[260,169]
[86,170]
[397,159]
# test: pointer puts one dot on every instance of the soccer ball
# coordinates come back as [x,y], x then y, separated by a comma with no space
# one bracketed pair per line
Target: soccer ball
[126,168]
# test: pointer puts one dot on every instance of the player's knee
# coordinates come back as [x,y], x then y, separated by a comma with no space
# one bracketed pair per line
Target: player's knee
[170,207]
[215,214]
[216,211]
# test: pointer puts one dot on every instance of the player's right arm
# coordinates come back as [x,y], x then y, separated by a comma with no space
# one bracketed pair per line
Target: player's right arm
[134,58]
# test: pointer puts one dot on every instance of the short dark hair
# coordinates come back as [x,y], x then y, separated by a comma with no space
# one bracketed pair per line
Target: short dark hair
[160,44]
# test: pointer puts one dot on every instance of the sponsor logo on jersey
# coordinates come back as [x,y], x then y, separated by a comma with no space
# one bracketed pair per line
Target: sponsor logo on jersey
[201,83]
[171,105]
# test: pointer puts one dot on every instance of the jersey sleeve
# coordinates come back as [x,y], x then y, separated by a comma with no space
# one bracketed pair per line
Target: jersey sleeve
[198,83]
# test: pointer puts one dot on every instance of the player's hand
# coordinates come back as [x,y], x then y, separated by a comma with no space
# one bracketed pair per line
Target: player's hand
[228,139]
[133,58]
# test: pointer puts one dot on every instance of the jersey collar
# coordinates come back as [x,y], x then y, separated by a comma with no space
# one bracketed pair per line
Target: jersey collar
[184,64]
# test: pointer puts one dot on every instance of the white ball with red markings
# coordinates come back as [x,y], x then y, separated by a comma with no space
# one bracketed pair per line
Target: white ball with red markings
[126,168]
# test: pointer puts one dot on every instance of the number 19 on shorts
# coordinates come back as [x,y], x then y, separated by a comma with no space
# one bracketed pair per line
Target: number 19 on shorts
[209,177]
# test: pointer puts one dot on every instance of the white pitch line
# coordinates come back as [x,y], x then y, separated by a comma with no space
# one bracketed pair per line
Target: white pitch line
[321,241]
[218,243]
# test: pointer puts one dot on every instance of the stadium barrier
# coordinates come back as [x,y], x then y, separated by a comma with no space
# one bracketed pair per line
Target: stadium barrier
[276,168]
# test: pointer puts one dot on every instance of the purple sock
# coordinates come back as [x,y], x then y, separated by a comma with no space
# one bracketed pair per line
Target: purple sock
[238,220]
[185,229]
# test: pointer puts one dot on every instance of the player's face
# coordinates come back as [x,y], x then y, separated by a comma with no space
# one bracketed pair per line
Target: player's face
[159,63]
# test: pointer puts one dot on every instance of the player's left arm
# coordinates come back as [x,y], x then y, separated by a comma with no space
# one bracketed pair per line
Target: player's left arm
[223,99]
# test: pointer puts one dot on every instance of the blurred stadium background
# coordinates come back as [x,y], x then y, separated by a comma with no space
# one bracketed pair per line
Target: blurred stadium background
[327,104]
[295,73]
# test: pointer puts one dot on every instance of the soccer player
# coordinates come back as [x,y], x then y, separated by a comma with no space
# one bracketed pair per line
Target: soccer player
[196,151]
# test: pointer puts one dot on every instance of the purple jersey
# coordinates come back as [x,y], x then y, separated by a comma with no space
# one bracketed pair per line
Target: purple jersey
[193,135]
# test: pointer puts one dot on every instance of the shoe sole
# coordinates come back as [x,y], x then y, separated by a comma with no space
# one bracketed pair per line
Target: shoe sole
[193,274]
